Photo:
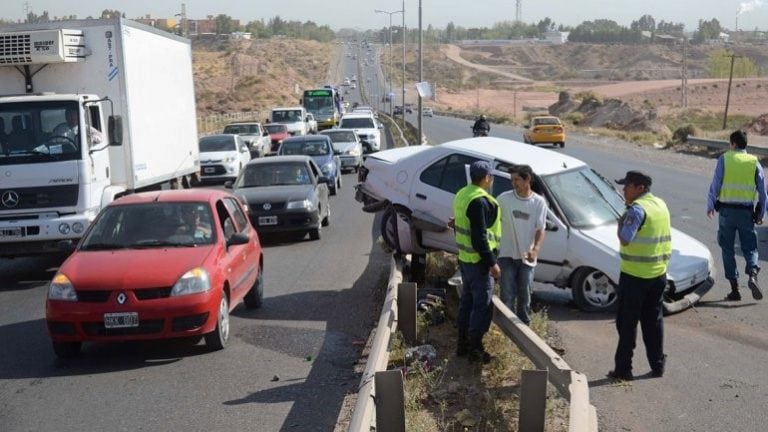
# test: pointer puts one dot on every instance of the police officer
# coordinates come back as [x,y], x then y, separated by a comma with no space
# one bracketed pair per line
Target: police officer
[738,182]
[646,245]
[477,223]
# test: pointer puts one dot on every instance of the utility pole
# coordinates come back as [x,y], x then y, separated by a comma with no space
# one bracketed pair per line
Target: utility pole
[421,78]
[389,93]
[26,12]
[684,84]
[403,36]
[728,97]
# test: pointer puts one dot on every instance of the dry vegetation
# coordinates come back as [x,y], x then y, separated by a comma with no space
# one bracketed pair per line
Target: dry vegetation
[256,75]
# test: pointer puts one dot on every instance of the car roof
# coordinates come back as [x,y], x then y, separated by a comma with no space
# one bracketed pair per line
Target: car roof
[219,135]
[282,125]
[357,114]
[173,195]
[278,159]
[542,161]
[545,116]
[307,138]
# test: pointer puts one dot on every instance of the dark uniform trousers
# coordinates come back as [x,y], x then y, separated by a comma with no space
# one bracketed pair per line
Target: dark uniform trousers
[640,300]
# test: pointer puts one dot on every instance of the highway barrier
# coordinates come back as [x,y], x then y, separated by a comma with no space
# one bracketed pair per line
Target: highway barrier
[724,145]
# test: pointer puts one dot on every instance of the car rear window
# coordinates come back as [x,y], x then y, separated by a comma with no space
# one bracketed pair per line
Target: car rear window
[276,128]
[274,174]
[241,129]
[309,148]
[546,121]
[357,123]
[341,136]
[217,144]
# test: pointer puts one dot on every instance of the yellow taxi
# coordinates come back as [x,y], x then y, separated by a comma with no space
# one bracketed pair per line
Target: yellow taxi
[545,130]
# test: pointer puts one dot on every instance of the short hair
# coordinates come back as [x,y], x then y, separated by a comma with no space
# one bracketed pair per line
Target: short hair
[524,171]
[739,138]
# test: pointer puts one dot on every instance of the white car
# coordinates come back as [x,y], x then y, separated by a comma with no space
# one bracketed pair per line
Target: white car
[253,134]
[347,145]
[415,187]
[366,127]
[222,156]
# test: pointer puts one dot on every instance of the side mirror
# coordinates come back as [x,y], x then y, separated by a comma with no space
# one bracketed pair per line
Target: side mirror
[550,226]
[337,152]
[265,133]
[238,239]
[381,125]
[115,128]
[324,179]
[307,119]
[228,184]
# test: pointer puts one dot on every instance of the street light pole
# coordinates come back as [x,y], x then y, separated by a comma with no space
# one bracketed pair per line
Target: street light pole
[389,93]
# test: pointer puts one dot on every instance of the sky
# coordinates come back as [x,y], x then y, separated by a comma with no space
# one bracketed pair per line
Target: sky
[360,14]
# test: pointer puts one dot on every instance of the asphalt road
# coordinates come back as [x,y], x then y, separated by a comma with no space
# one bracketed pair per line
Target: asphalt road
[717,351]
[289,364]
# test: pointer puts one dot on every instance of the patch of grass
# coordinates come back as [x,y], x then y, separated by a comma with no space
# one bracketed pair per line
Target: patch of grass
[706,121]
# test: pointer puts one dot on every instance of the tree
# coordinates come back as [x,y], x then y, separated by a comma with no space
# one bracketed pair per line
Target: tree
[224,24]
[109,13]
[670,28]
[450,31]
[545,25]
[708,30]
[719,65]
[645,23]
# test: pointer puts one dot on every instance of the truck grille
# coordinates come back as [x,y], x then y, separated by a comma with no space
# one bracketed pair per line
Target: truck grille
[15,49]
[40,197]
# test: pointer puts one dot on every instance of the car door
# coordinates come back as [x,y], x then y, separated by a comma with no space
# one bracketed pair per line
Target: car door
[243,265]
[320,188]
[432,193]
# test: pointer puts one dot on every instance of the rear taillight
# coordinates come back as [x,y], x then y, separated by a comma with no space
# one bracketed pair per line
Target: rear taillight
[558,129]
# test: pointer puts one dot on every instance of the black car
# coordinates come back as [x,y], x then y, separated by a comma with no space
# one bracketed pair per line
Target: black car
[285,194]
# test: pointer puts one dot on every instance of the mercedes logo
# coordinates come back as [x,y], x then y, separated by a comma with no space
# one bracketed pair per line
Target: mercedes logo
[267,206]
[10,199]
[121,298]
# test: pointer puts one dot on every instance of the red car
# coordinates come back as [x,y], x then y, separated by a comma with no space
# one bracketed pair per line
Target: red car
[157,265]
[277,133]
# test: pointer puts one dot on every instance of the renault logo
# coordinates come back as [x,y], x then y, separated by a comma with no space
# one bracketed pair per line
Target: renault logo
[121,298]
[10,199]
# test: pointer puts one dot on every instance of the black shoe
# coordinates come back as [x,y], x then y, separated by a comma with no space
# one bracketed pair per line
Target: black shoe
[620,376]
[659,372]
[479,356]
[733,296]
[752,284]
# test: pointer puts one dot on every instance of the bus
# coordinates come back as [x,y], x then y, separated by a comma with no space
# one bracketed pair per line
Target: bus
[324,104]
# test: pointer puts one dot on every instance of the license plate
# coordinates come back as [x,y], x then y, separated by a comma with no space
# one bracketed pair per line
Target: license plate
[209,170]
[267,220]
[10,232]
[121,320]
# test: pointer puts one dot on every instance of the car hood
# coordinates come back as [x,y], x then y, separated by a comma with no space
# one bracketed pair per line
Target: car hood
[690,257]
[394,155]
[344,146]
[274,193]
[322,160]
[132,268]
[216,156]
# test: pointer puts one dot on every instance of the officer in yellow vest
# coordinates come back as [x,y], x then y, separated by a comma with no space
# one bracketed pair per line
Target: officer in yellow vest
[477,223]
[646,245]
[737,192]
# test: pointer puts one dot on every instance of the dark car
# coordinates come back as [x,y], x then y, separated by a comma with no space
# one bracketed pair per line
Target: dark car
[320,148]
[285,194]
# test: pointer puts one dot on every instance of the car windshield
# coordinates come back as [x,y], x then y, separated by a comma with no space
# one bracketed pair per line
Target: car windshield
[244,129]
[39,132]
[357,123]
[546,121]
[587,200]
[309,148]
[151,225]
[217,144]
[274,174]
[275,129]
[341,136]
[289,116]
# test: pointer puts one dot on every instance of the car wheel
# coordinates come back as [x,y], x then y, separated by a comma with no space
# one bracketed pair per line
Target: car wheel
[65,350]
[316,233]
[389,229]
[562,144]
[217,339]
[338,180]
[333,190]
[327,218]
[255,295]
[593,291]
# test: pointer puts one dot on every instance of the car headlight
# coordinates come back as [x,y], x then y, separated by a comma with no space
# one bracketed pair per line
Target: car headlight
[327,169]
[304,204]
[230,159]
[355,151]
[192,282]
[61,289]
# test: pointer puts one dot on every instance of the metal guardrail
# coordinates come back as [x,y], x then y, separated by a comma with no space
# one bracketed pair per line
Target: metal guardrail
[378,356]
[215,123]
[724,145]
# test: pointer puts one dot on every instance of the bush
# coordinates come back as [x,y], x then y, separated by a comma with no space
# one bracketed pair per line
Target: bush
[574,117]
[681,134]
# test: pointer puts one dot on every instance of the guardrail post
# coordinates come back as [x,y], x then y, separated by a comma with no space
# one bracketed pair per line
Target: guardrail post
[390,401]
[406,310]
[533,401]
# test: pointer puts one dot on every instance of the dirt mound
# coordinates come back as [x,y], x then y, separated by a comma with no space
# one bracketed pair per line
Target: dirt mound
[611,113]
[757,126]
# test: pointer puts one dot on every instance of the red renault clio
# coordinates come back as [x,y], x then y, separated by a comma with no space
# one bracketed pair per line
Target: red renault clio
[157,265]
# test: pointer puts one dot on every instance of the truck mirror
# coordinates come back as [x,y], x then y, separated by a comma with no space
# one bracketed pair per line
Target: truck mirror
[115,130]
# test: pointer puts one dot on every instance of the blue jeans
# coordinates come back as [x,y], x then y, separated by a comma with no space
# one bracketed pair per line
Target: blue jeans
[475,311]
[516,282]
[732,221]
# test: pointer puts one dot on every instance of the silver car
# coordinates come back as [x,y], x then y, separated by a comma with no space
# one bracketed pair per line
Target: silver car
[347,145]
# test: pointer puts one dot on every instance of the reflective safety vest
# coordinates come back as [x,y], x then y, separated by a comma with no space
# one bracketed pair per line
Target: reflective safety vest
[462,226]
[647,255]
[738,178]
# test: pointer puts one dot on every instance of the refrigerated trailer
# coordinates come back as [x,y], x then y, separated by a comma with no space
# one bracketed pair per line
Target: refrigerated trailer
[90,110]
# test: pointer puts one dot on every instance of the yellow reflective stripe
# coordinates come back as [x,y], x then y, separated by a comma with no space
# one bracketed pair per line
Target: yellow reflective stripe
[646,259]
[738,186]
[652,240]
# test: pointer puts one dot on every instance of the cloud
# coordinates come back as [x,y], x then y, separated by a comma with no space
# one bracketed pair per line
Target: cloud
[749,6]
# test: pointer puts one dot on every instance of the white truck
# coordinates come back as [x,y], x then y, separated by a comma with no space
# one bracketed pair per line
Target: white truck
[295,118]
[90,110]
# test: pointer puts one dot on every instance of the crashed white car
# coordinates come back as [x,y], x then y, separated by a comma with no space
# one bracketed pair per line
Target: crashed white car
[415,186]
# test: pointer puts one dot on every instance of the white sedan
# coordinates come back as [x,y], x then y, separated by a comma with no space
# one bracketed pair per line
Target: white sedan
[415,186]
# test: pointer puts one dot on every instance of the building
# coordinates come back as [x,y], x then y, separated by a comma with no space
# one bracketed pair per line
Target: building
[556,37]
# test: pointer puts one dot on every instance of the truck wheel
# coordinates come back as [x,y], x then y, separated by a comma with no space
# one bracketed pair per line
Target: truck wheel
[217,339]
[593,291]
